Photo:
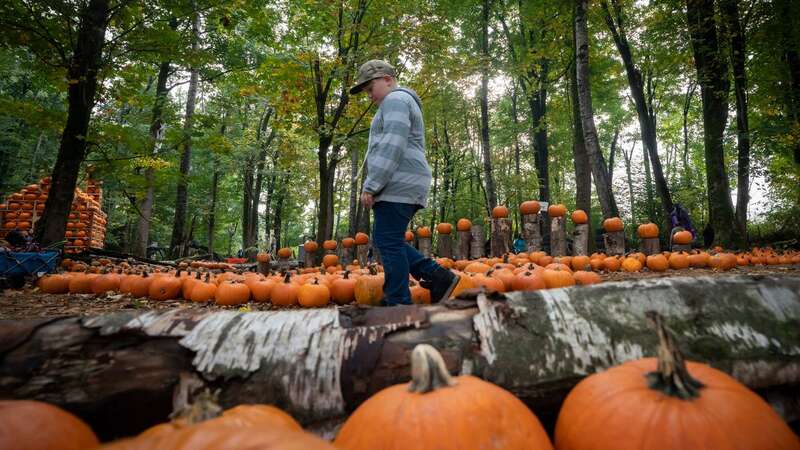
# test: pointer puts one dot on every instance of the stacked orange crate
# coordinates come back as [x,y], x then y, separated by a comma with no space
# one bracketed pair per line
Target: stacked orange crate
[86,224]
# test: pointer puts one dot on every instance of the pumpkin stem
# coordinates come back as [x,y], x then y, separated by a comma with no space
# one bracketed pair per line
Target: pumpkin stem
[428,371]
[204,407]
[287,277]
[346,275]
[671,377]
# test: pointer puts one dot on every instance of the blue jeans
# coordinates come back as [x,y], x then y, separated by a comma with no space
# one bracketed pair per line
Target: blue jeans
[399,259]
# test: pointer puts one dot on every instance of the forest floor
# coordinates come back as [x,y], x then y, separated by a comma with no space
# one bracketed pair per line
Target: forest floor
[29,302]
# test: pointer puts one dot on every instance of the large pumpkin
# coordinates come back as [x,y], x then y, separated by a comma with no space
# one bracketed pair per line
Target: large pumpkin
[667,403]
[368,289]
[530,207]
[682,237]
[647,230]
[32,425]
[438,411]
[613,224]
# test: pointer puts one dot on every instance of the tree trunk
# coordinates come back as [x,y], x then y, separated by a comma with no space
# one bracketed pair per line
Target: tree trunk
[212,213]
[628,156]
[612,154]
[352,216]
[181,197]
[538,106]
[264,144]
[712,74]
[789,45]
[730,14]
[485,147]
[599,171]
[156,135]
[648,185]
[84,66]
[517,174]
[279,202]
[335,358]
[644,106]
[583,171]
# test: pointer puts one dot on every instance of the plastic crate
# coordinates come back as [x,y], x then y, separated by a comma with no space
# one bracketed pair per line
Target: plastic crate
[24,263]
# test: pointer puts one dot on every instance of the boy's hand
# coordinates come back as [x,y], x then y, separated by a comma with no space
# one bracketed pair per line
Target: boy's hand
[367,200]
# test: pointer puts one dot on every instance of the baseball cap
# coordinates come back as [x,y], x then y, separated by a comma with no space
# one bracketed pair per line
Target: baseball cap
[370,70]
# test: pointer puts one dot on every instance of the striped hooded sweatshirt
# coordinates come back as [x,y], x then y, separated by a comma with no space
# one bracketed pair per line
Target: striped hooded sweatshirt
[396,167]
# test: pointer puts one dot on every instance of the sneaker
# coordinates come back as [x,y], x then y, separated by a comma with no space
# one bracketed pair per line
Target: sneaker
[441,284]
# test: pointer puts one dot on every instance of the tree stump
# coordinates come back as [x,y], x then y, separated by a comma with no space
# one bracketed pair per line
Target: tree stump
[501,236]
[347,255]
[263,267]
[464,243]
[558,236]
[532,232]
[119,371]
[424,246]
[650,246]
[476,242]
[444,246]
[362,253]
[309,260]
[580,240]
[614,242]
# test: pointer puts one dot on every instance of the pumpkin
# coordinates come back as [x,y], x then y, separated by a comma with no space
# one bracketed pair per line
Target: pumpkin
[613,224]
[464,282]
[263,257]
[419,295]
[464,413]
[343,289]
[166,287]
[204,291]
[329,244]
[409,236]
[81,283]
[647,230]
[477,267]
[285,253]
[285,292]
[611,264]
[669,403]
[313,295]
[499,212]
[528,281]
[232,293]
[362,238]
[657,263]
[699,259]
[557,210]
[579,217]
[140,286]
[33,425]
[424,232]
[463,225]
[330,260]
[530,207]
[581,262]
[220,435]
[682,237]
[348,242]
[261,290]
[107,282]
[631,264]
[679,261]
[584,277]
[489,282]
[557,277]
[444,228]
[54,284]
[368,289]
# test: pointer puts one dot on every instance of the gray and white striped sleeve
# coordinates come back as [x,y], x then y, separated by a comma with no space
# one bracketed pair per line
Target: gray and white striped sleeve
[390,147]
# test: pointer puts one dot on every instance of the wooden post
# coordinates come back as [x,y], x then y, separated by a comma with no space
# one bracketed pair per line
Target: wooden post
[650,246]
[464,238]
[681,247]
[476,242]
[614,242]
[424,246]
[501,236]
[308,260]
[558,236]
[532,232]
[362,253]
[263,267]
[444,246]
[580,243]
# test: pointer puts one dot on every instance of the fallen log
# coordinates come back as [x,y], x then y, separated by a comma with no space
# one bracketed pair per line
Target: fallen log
[119,371]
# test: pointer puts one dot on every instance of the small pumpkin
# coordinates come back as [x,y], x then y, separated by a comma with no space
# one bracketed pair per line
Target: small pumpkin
[557,210]
[647,230]
[682,237]
[343,289]
[464,413]
[579,217]
[263,257]
[203,291]
[368,289]
[34,425]
[231,293]
[444,228]
[631,264]
[530,207]
[409,236]
[285,292]
[424,232]
[348,242]
[285,253]
[557,277]
[362,238]
[613,224]
[463,225]
[54,284]
[500,212]
[329,244]
[657,263]
[330,260]
[584,277]
[313,295]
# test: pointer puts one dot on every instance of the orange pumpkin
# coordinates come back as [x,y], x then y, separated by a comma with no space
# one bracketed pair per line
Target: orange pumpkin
[682,237]
[330,244]
[419,295]
[631,264]
[231,293]
[444,228]
[285,252]
[107,282]
[657,263]
[611,264]
[670,404]
[557,210]
[33,425]
[53,284]
[203,291]
[500,212]
[368,289]
[579,217]
[343,289]
[463,225]
[424,232]
[530,207]
[647,230]
[313,295]
[452,406]
[166,287]
[140,286]
[584,277]
[285,292]
[581,262]
[678,261]
[330,260]
[557,277]
[348,242]
[528,281]
[613,224]
[362,238]
[263,257]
